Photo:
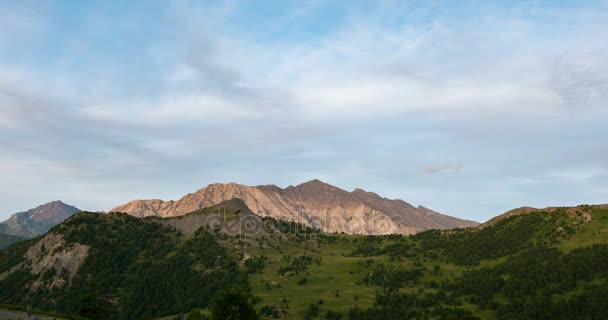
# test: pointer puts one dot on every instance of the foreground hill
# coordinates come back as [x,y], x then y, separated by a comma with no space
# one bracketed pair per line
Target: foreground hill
[524,210]
[313,203]
[537,265]
[37,221]
[106,266]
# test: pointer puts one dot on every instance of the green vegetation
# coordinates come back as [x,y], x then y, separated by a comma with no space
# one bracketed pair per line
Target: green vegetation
[255,264]
[498,272]
[540,265]
[7,239]
[507,236]
[135,269]
[295,266]
[232,304]
[13,255]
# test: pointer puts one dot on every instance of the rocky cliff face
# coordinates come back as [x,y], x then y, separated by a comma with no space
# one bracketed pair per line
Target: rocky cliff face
[313,203]
[52,252]
[37,221]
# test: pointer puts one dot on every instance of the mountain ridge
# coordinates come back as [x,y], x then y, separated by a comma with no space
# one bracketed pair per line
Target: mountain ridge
[313,203]
[526,209]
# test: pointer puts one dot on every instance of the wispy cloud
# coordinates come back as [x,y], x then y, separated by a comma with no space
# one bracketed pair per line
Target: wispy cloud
[441,168]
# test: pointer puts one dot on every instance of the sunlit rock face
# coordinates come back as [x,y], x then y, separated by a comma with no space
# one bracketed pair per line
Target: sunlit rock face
[313,203]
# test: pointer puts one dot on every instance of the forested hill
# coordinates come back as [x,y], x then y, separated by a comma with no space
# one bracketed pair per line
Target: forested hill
[546,264]
[105,266]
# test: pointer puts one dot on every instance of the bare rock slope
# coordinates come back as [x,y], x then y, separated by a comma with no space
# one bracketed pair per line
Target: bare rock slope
[313,203]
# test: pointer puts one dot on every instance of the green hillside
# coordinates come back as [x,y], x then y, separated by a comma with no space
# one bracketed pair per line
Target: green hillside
[546,264]
[7,239]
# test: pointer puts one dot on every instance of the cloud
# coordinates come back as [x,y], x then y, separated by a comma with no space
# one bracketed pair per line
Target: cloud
[442,168]
[224,93]
[581,80]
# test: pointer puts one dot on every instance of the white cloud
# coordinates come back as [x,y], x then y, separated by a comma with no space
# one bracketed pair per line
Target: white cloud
[174,110]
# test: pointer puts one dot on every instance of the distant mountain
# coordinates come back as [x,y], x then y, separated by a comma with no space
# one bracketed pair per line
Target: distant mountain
[37,221]
[313,203]
[6,240]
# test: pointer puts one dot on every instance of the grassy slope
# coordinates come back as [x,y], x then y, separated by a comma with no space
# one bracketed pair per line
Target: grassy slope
[339,270]
[595,231]
[334,272]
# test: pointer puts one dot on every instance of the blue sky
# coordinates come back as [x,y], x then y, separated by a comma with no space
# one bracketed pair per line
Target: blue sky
[470,108]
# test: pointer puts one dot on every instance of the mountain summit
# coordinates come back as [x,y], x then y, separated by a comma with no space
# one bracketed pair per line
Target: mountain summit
[37,221]
[313,203]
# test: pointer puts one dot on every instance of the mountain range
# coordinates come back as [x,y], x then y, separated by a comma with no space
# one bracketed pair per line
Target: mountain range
[313,203]
[117,266]
[37,221]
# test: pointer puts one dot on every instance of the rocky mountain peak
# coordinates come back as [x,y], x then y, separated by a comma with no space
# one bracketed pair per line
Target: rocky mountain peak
[316,184]
[314,203]
[54,211]
[39,220]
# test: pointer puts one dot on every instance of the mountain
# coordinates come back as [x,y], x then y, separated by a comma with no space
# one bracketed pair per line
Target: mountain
[313,203]
[37,221]
[538,265]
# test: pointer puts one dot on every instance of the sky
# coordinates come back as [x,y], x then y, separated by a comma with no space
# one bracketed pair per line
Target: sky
[471,108]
